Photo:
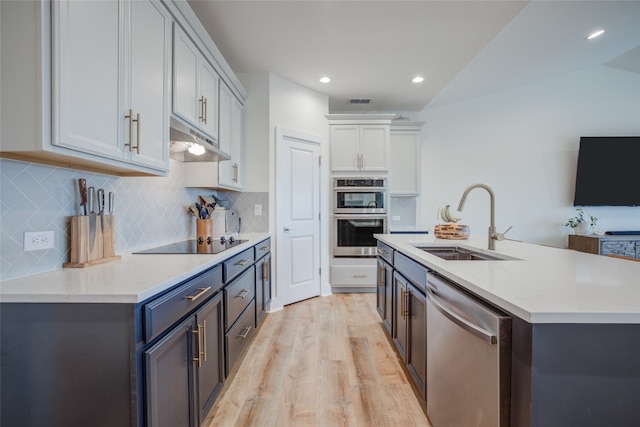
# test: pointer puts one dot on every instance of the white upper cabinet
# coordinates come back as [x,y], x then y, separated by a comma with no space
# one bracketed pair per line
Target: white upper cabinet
[149,84]
[230,172]
[88,84]
[111,92]
[87,70]
[359,148]
[195,86]
[404,160]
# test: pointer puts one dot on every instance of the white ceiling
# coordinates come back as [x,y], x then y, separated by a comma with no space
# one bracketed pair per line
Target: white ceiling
[372,49]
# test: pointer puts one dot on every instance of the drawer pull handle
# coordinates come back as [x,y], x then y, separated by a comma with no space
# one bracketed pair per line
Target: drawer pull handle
[382,251]
[242,262]
[199,294]
[359,276]
[264,248]
[245,332]
[244,293]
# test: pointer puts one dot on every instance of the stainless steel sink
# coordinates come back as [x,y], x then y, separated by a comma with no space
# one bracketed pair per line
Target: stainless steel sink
[455,253]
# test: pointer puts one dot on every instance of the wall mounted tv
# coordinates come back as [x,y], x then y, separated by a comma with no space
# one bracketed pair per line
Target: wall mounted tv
[608,171]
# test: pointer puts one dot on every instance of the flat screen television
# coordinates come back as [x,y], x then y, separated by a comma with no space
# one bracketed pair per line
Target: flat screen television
[608,171]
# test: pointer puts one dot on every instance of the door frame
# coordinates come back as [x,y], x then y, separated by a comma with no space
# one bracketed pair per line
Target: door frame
[280,134]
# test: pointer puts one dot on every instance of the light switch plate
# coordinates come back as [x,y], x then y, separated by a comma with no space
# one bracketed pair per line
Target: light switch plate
[257,210]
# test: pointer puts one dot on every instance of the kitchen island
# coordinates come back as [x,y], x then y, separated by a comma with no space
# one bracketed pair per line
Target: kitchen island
[144,341]
[575,332]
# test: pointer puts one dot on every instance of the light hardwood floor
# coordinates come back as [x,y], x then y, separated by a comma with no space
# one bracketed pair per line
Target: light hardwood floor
[321,362]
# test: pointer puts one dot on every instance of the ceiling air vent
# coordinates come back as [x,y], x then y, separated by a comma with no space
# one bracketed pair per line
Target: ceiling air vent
[359,100]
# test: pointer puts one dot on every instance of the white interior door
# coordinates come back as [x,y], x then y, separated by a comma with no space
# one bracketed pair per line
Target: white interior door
[297,216]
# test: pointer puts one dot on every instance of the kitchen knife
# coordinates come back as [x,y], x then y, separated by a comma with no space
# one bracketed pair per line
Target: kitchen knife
[101,207]
[111,201]
[92,218]
[82,183]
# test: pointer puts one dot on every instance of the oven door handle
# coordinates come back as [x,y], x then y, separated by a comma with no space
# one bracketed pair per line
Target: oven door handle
[360,189]
[360,216]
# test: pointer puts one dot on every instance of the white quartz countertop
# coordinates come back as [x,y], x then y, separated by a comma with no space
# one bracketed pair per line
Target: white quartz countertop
[131,279]
[544,284]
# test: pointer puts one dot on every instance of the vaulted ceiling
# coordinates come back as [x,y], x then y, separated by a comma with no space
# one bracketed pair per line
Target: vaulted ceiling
[372,49]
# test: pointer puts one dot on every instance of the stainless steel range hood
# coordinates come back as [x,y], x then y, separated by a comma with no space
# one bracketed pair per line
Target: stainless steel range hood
[185,143]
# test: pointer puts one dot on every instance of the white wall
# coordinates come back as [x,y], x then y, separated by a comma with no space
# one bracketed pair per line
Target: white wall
[523,142]
[256,132]
[276,102]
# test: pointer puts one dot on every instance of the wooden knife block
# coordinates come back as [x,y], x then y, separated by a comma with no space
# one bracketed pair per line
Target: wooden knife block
[83,251]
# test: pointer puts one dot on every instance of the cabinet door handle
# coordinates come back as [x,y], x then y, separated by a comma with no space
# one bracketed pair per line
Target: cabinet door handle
[131,122]
[196,332]
[204,340]
[137,120]
[242,262]
[201,116]
[199,294]
[402,303]
[381,276]
[235,172]
[243,294]
[205,111]
[245,332]
[406,304]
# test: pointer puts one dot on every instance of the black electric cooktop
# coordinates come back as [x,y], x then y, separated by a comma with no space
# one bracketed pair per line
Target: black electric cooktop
[192,247]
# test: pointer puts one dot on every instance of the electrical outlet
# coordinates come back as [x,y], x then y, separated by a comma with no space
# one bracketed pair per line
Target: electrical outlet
[257,210]
[395,218]
[36,240]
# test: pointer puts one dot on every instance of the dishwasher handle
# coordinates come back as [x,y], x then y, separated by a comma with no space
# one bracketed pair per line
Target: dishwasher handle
[463,323]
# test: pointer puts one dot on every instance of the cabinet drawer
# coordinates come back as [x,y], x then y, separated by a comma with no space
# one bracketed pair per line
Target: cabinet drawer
[238,336]
[354,275]
[163,312]
[238,295]
[385,252]
[619,247]
[262,248]
[413,271]
[235,265]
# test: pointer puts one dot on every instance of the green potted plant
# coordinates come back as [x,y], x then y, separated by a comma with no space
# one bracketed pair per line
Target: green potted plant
[579,223]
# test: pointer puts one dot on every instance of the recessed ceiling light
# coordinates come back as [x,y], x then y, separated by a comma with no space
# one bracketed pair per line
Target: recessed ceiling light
[595,34]
[418,79]
[325,80]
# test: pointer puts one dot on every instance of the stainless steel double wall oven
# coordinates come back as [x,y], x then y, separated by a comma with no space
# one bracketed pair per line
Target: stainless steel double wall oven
[359,212]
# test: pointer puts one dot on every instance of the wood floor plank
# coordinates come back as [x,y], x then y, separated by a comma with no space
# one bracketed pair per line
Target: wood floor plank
[321,362]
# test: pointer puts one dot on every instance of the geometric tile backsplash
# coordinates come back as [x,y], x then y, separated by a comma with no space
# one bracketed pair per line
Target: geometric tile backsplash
[149,211]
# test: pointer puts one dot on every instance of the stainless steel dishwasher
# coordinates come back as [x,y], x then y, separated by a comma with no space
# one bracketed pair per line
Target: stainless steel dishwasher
[468,359]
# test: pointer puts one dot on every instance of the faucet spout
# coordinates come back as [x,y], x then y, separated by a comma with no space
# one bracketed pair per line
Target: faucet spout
[492,226]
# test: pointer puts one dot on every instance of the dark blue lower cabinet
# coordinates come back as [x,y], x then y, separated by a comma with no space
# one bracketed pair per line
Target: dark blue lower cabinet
[169,378]
[210,367]
[185,370]
[263,287]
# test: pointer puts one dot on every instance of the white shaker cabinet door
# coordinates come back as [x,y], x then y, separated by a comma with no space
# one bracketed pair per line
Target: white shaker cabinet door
[230,140]
[237,143]
[209,99]
[87,73]
[374,142]
[185,78]
[404,168]
[149,85]
[345,148]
